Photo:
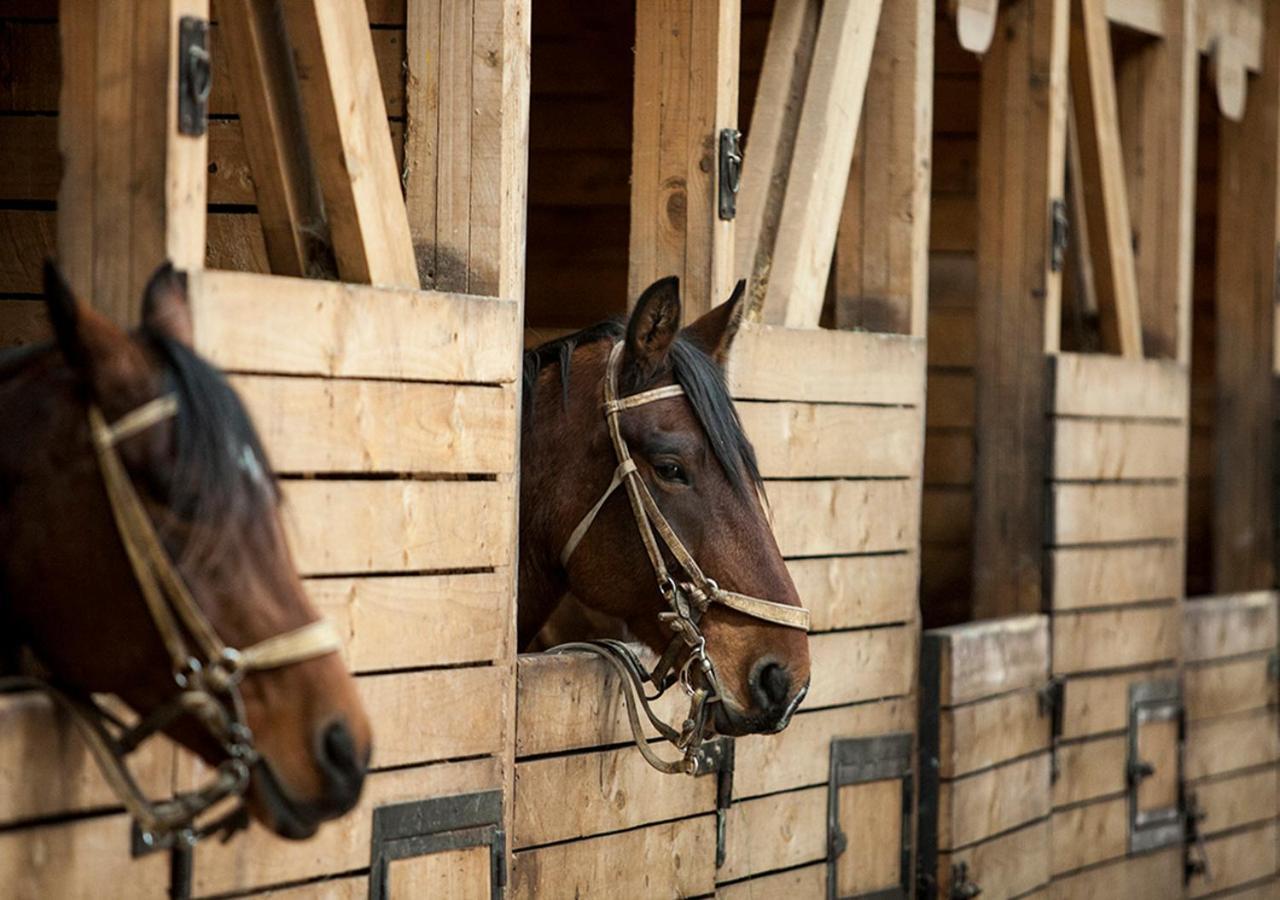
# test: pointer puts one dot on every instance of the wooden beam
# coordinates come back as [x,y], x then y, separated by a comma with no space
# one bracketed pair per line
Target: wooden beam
[1248,269]
[1021,164]
[686,92]
[882,248]
[350,141]
[133,191]
[1093,94]
[290,208]
[828,126]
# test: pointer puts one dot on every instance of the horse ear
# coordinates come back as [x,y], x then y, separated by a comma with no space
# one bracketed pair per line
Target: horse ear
[714,332]
[653,326]
[165,310]
[86,338]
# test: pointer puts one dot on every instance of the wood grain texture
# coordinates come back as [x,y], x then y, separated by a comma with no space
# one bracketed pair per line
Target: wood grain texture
[1094,384]
[984,659]
[1090,770]
[1228,743]
[1089,834]
[852,666]
[775,832]
[1107,449]
[1099,513]
[1006,866]
[980,735]
[1232,625]
[1236,800]
[435,715]
[808,440]
[1247,856]
[1107,639]
[1081,577]
[823,518]
[992,801]
[855,591]
[1154,876]
[1095,704]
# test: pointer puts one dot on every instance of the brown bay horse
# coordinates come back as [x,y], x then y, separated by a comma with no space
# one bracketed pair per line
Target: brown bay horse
[679,441]
[126,547]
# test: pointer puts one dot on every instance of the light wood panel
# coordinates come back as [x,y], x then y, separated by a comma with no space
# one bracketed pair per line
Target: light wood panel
[1154,876]
[982,660]
[435,715]
[1227,743]
[1115,638]
[1081,577]
[1109,449]
[1097,513]
[1230,626]
[775,832]
[855,591]
[982,734]
[1010,865]
[823,518]
[1089,834]
[1094,384]
[876,656]
[992,801]
[807,440]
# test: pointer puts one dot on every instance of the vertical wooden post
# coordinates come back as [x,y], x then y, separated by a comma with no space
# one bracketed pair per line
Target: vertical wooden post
[1247,278]
[882,249]
[686,92]
[1021,162]
[133,190]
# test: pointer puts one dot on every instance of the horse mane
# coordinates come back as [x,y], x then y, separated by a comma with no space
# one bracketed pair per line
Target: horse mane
[702,379]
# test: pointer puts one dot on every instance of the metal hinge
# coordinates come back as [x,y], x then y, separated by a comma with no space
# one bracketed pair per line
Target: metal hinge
[195,76]
[1060,236]
[961,887]
[1153,701]
[1051,705]
[1273,665]
[730,171]
[1195,854]
[720,758]
[857,761]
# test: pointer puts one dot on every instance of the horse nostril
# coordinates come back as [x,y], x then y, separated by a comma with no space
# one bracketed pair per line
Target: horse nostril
[339,757]
[771,685]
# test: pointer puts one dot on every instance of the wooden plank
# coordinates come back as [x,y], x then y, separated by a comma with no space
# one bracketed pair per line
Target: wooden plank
[1108,576]
[951,401]
[1140,15]
[1238,800]
[1023,128]
[80,858]
[1229,626]
[871,817]
[351,527]
[1153,876]
[1107,449]
[1241,22]
[251,323]
[839,367]
[461,874]
[1089,834]
[383,619]
[799,756]
[949,458]
[339,426]
[1007,866]
[1099,703]
[1227,743]
[820,518]
[23,322]
[856,591]
[435,715]
[686,91]
[992,801]
[261,65]
[1102,178]
[984,659]
[775,832]
[1099,513]
[1107,639]
[1239,858]
[1094,384]
[351,145]
[1220,689]
[806,440]
[353,888]
[877,656]
[980,735]
[675,859]
[805,881]
[827,127]
[1090,770]
[882,246]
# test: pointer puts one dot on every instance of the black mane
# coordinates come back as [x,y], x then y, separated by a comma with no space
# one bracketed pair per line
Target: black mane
[695,371]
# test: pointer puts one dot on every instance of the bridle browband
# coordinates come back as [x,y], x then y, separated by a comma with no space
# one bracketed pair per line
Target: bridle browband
[687,599]
[206,671]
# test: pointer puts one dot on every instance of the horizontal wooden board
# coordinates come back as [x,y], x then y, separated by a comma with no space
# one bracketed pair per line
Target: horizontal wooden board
[438,714]
[1223,688]
[824,366]
[1153,876]
[1099,513]
[1080,577]
[951,335]
[871,819]
[253,323]
[825,518]
[775,832]
[84,858]
[1114,638]
[980,735]
[320,425]
[952,396]
[23,322]
[349,527]
[403,621]
[354,888]
[1239,859]
[852,666]
[27,239]
[1215,627]
[1089,770]
[559,798]
[1239,799]
[982,659]
[856,591]
[830,440]
[675,859]
[799,755]
[805,881]
[992,801]
[1006,866]
[1089,834]
[949,458]
[1108,449]
[459,874]
[1098,384]
[1227,743]
[1096,704]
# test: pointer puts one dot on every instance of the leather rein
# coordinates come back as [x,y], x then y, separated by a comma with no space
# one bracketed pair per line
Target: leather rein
[207,673]
[687,600]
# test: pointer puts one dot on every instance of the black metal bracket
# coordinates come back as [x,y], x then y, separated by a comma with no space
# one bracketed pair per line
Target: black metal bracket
[1153,701]
[961,887]
[1060,235]
[422,827]
[1273,665]
[857,761]
[182,848]
[1195,856]
[1052,696]
[195,76]
[721,754]
[730,171]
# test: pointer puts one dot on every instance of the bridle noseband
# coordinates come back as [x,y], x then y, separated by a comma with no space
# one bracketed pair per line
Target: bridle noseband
[206,671]
[686,600]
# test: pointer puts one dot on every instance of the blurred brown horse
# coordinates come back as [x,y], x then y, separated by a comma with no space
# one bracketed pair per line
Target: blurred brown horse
[72,592]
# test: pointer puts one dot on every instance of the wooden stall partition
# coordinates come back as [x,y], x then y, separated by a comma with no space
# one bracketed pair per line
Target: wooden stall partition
[986,717]
[1232,741]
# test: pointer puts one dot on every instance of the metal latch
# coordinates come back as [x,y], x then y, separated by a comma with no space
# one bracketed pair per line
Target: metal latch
[422,827]
[1051,705]
[961,887]
[195,76]
[1195,854]
[720,760]
[858,761]
[1150,702]
[730,171]
[1060,230]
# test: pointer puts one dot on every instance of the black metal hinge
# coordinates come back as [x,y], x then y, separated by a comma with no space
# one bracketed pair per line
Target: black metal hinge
[730,171]
[195,76]
[720,757]
[422,827]
[1051,705]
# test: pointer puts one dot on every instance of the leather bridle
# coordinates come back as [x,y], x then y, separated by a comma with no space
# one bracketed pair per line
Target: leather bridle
[207,673]
[687,600]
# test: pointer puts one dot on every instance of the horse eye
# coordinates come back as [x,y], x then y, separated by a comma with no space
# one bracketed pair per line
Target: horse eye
[670,471]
